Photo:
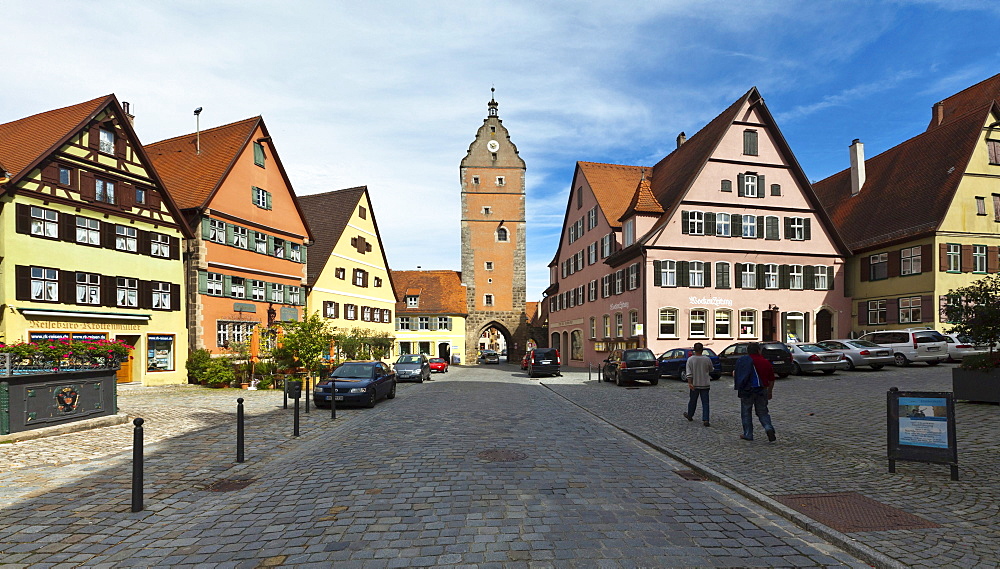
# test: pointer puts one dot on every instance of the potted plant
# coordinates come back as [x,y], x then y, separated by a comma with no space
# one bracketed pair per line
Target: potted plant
[974,311]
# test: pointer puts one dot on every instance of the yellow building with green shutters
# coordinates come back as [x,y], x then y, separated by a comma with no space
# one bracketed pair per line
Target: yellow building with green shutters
[90,240]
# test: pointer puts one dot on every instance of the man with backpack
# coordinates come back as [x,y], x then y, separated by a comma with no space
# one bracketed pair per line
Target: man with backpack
[753,380]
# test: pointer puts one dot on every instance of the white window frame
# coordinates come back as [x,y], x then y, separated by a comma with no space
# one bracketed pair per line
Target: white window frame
[633,323]
[240,236]
[161,295]
[606,324]
[619,325]
[722,225]
[44,222]
[104,191]
[216,231]
[487,300]
[979,258]
[213,284]
[88,231]
[127,292]
[88,288]
[667,322]
[723,319]
[238,287]
[126,238]
[413,301]
[796,278]
[820,280]
[749,229]
[44,284]
[771,276]
[106,141]
[910,261]
[748,323]
[750,185]
[668,273]
[696,222]
[797,229]
[259,290]
[909,310]
[159,245]
[696,274]
[260,243]
[278,292]
[954,258]
[404,322]
[629,232]
[697,323]
[748,276]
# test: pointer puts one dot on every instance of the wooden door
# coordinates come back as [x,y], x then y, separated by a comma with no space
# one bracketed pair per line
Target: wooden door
[124,374]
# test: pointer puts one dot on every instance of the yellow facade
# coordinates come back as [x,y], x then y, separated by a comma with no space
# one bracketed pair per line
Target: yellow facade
[436,342]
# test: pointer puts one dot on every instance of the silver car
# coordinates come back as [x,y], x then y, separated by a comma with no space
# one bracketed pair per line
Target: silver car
[860,353]
[812,357]
[961,346]
[412,367]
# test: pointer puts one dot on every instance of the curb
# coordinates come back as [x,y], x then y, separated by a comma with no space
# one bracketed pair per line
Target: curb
[852,546]
[74,427]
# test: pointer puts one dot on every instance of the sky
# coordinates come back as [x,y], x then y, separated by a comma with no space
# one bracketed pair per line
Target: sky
[390,94]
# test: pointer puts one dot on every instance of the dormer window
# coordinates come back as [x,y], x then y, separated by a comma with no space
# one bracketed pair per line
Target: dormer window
[412,301]
[629,230]
[107,141]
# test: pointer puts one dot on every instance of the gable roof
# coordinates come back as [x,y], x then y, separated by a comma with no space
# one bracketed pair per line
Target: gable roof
[908,189]
[613,185]
[643,201]
[965,101]
[328,214]
[441,292]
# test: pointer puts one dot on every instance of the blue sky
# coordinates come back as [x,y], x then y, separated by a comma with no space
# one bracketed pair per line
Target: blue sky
[390,94]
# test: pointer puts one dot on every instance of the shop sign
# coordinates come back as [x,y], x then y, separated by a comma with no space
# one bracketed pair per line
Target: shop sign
[61,325]
[244,307]
[289,314]
[619,306]
[153,338]
[46,336]
[710,301]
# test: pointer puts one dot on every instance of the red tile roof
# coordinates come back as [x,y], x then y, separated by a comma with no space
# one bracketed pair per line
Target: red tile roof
[192,178]
[965,101]
[613,185]
[24,141]
[441,292]
[908,188]
[643,201]
[328,214]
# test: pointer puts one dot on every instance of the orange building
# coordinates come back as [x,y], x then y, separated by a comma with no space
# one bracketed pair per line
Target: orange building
[246,264]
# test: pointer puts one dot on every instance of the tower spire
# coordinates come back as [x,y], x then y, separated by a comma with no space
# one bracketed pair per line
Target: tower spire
[493,102]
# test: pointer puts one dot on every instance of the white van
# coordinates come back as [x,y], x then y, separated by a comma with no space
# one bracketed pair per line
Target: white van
[912,345]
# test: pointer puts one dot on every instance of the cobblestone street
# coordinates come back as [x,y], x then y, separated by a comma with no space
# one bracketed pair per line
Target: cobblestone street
[406,484]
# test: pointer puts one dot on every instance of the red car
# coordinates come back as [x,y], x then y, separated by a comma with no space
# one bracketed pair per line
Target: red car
[439,365]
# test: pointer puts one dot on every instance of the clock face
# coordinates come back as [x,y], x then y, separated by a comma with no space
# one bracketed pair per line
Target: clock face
[493,146]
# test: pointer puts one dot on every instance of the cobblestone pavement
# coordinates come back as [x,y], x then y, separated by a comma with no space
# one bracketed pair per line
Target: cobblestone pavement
[401,485]
[831,438]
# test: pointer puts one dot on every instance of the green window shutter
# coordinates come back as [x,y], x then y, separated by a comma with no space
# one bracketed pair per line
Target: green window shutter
[251,238]
[253,194]
[737,275]
[202,282]
[302,251]
[709,223]
[449,322]
[708,275]
[760,186]
[270,245]
[683,276]
[267,196]
[397,323]
[258,154]
[685,216]
[788,227]
[760,227]
[227,285]
[288,294]
[736,224]
[434,323]
[784,277]
[829,278]
[740,188]
[807,229]
[808,277]
[230,233]
[657,276]
[206,228]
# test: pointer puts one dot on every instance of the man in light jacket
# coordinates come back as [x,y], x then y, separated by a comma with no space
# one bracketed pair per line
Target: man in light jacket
[698,371]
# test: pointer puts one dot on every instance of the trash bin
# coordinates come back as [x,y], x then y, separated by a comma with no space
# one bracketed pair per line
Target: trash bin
[294,389]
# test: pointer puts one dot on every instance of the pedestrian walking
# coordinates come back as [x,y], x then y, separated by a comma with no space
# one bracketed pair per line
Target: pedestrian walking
[698,371]
[753,380]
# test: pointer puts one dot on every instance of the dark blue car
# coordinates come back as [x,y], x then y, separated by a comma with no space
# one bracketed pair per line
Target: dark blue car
[362,383]
[672,363]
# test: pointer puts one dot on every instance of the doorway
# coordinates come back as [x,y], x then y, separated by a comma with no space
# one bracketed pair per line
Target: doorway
[824,325]
[124,373]
[767,325]
[444,351]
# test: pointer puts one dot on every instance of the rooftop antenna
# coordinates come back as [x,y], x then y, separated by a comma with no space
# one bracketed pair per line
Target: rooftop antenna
[197,129]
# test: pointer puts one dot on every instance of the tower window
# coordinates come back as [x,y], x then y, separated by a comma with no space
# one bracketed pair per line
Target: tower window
[489,265]
[493,129]
[500,180]
[502,234]
[487,210]
[488,300]
[475,179]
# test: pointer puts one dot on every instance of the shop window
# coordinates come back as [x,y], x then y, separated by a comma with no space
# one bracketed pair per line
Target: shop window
[723,323]
[748,323]
[160,353]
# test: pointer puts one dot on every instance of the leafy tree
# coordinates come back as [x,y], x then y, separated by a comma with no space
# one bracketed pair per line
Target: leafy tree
[974,311]
[197,365]
[307,341]
[364,343]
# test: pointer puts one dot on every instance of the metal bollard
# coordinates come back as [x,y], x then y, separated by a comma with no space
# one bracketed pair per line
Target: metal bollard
[284,383]
[295,431]
[239,430]
[308,379]
[333,398]
[137,465]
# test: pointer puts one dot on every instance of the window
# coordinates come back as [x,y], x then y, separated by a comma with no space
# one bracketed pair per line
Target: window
[360,278]
[404,322]
[996,207]
[633,323]
[126,238]
[696,274]
[140,196]
[993,147]
[488,300]
[607,326]
[723,323]
[722,227]
[878,267]
[161,296]
[443,323]
[161,353]
[592,253]
[214,284]
[233,332]
[240,235]
[65,176]
[592,218]
[876,312]
[592,291]
[771,228]
[44,284]
[366,314]
[487,210]
[750,142]
[331,309]
[748,323]
[260,243]
[954,258]
[606,246]
[979,258]
[238,286]
[795,280]
[775,189]
[489,265]
[605,286]
[696,223]
[258,154]
[412,301]
[668,322]
[277,292]
[502,234]
[475,179]
[258,289]
[217,230]
[279,248]
[748,276]
[771,276]
[820,280]
[629,231]
[500,180]
[668,273]
[159,244]
[909,261]
[698,317]
[88,231]
[88,288]
[619,281]
[104,191]
[980,205]
[107,141]
[376,314]
[351,311]
[796,229]
[44,222]
[261,198]
[750,185]
[633,276]
[423,323]
[619,327]
[727,186]
[722,275]
[378,282]
[749,227]
[909,310]
[128,292]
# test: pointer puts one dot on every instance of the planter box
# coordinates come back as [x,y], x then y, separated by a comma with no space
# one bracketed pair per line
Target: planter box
[46,399]
[975,385]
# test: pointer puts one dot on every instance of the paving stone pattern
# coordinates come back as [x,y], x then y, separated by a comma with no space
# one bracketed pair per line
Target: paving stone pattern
[401,485]
[831,438]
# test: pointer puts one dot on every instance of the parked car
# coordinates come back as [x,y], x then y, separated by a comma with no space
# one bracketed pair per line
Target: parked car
[361,383]
[439,365]
[623,366]
[912,345]
[813,357]
[412,367]
[490,357]
[542,361]
[673,363]
[860,353]
[961,346]
[775,352]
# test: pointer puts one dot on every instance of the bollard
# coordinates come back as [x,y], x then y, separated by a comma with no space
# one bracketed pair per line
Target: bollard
[137,465]
[307,393]
[295,431]
[284,383]
[239,430]
[333,397]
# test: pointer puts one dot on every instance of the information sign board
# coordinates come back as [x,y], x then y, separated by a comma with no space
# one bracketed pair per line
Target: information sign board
[921,428]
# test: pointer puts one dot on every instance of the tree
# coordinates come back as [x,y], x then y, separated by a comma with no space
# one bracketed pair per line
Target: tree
[364,343]
[974,311]
[307,341]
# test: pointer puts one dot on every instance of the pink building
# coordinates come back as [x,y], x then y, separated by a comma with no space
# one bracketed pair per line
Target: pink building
[723,240]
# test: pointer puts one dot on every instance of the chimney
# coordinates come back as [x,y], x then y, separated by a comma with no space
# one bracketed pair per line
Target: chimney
[937,113]
[128,112]
[681,139]
[857,166]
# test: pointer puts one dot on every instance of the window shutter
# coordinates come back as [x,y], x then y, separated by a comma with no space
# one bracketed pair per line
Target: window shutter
[175,297]
[807,229]
[740,188]
[736,221]
[109,290]
[805,326]
[759,275]
[685,217]
[107,235]
[145,294]
[829,278]
[943,257]
[22,215]
[336,310]
[175,248]
[967,264]
[206,229]
[866,268]
[991,259]
[926,263]
[87,190]
[143,242]
[783,333]
[22,278]
[94,137]
[397,323]
[50,174]
[927,308]
[67,227]
[657,275]
[708,275]
[433,323]
[364,279]
[727,185]
[302,253]
[683,277]
[287,295]
[895,260]
[775,189]
[387,314]
[737,275]
[67,287]
[760,227]
[809,277]
[120,142]
[771,230]
[709,223]
[892,311]
[270,245]
[227,285]
[230,234]
[862,312]
[203,282]
[267,196]
[153,199]
[761,186]
[126,195]
[784,277]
